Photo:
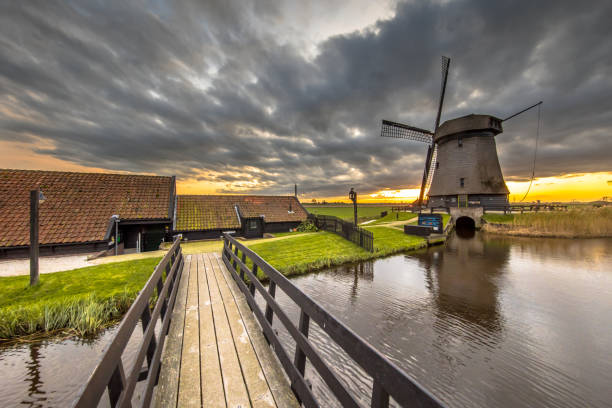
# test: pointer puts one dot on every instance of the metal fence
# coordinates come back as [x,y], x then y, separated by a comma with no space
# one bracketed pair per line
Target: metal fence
[389,381]
[153,303]
[345,229]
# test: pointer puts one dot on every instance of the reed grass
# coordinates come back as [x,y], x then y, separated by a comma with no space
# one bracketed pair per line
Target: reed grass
[575,223]
[81,301]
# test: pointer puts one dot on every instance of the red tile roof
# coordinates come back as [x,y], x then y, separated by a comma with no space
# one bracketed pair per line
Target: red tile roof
[204,212]
[77,206]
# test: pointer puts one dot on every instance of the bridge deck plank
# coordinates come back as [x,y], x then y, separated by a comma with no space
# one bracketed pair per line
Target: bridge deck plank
[257,387]
[167,391]
[273,371]
[212,381]
[216,355]
[189,378]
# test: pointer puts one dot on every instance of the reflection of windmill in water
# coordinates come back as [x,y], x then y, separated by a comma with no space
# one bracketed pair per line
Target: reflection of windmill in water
[461,277]
[461,165]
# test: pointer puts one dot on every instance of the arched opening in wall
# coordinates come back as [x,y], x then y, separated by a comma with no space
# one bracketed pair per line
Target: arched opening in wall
[465,227]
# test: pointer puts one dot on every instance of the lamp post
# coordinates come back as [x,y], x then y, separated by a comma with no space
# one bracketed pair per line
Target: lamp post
[36,197]
[353,198]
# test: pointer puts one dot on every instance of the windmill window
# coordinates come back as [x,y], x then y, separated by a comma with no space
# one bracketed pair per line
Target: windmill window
[460,141]
[462,182]
[437,165]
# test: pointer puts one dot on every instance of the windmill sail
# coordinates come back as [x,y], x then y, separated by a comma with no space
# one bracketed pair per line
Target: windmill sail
[431,170]
[401,131]
[430,151]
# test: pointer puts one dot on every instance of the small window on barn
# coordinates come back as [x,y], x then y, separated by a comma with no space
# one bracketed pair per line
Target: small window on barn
[253,224]
[460,141]
[462,182]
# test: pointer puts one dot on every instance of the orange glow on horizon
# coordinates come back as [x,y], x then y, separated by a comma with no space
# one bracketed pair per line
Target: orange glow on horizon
[564,188]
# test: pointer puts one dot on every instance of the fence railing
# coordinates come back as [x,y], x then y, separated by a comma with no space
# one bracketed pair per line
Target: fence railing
[345,229]
[154,302]
[509,208]
[388,379]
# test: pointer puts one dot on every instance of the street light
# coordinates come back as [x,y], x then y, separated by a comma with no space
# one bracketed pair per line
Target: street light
[353,198]
[36,197]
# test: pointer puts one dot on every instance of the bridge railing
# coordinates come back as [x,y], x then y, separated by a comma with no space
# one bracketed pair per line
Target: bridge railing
[388,379]
[154,302]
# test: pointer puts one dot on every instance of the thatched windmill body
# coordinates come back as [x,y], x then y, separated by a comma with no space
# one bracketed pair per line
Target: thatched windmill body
[461,166]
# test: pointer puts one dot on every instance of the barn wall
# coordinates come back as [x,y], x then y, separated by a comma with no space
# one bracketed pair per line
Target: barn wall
[208,234]
[280,226]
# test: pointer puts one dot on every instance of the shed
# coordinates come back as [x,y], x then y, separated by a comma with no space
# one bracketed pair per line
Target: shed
[208,216]
[76,215]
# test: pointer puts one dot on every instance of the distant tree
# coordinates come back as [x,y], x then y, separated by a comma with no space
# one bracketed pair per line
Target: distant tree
[314,200]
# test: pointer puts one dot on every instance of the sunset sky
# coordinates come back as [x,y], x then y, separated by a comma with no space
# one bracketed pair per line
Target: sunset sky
[256,96]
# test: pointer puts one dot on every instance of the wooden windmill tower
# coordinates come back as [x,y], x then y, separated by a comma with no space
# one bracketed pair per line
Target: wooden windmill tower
[461,167]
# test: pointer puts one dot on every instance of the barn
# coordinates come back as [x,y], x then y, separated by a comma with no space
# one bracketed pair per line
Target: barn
[83,212]
[250,216]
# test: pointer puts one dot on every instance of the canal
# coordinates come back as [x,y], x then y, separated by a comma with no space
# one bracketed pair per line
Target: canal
[483,321]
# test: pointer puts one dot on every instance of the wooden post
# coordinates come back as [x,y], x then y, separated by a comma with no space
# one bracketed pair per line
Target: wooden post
[34,194]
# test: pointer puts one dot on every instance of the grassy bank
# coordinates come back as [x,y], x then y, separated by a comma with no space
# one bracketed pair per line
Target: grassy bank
[81,300]
[301,254]
[395,216]
[346,213]
[575,223]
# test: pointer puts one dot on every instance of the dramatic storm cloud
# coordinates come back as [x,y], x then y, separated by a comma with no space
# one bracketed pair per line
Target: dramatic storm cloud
[256,96]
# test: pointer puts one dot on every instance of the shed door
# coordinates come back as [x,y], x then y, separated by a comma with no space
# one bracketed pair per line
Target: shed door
[254,227]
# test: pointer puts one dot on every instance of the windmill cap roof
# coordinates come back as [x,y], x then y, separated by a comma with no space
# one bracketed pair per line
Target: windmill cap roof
[469,123]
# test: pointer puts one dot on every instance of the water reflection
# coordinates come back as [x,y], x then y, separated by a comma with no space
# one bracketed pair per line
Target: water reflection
[483,321]
[455,278]
[35,390]
[363,270]
[50,373]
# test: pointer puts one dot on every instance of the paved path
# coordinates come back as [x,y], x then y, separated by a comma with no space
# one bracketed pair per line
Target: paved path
[215,353]
[46,264]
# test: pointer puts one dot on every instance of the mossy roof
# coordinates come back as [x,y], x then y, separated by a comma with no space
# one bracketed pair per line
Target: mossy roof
[207,212]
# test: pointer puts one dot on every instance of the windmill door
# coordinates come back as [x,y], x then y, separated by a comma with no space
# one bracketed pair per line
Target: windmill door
[462,200]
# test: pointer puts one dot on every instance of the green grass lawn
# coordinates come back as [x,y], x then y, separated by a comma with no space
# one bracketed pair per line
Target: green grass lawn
[346,213]
[302,254]
[394,216]
[499,218]
[445,219]
[82,300]
[391,240]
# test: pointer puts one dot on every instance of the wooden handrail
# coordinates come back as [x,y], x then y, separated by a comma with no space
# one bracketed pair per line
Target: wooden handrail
[388,379]
[109,373]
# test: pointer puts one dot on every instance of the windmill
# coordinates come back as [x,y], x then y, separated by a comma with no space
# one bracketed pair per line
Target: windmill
[461,166]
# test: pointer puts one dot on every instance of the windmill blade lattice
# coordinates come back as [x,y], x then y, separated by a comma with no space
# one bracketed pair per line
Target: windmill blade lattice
[431,170]
[401,131]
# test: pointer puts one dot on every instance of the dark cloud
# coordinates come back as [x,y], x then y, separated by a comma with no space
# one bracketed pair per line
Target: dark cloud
[215,91]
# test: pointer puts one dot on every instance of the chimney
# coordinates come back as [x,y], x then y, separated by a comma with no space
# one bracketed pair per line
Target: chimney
[295,190]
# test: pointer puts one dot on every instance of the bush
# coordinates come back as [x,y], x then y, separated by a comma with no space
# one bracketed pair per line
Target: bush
[307,226]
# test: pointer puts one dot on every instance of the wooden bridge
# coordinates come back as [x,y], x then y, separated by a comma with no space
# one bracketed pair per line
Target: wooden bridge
[206,343]
[216,356]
